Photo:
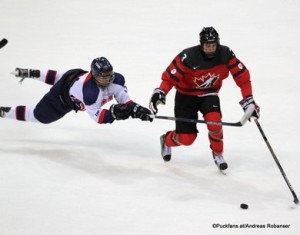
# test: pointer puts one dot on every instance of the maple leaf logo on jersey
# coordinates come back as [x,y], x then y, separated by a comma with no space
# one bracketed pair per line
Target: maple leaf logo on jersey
[206,81]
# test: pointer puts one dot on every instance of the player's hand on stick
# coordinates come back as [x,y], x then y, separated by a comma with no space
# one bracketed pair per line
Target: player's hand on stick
[246,102]
[158,97]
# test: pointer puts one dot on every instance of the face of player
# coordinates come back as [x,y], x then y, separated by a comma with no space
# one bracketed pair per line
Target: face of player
[209,49]
[104,79]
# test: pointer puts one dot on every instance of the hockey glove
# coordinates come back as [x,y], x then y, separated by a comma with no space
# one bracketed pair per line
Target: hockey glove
[158,97]
[26,73]
[141,112]
[120,111]
[246,102]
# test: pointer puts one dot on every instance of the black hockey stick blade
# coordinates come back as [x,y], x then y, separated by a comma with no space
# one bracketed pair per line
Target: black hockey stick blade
[243,120]
[296,200]
[3,42]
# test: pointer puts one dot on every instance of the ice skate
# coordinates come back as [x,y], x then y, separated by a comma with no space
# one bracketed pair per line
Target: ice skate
[220,162]
[26,73]
[4,110]
[165,150]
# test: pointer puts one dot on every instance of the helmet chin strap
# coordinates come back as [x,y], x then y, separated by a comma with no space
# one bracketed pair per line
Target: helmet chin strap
[103,85]
[208,55]
[209,35]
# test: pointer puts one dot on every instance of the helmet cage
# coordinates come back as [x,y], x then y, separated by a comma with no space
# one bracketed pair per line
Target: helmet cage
[102,71]
[104,79]
[209,35]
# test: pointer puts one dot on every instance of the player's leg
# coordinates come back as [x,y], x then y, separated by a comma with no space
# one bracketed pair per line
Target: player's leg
[212,112]
[47,76]
[185,133]
[49,109]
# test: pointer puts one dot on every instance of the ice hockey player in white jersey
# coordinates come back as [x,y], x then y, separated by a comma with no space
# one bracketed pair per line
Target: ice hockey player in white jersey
[79,90]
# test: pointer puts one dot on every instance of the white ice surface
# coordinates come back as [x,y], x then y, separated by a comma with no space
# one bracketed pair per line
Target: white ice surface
[77,177]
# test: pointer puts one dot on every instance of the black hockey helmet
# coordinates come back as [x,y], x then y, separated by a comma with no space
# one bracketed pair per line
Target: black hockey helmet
[100,66]
[102,69]
[209,35]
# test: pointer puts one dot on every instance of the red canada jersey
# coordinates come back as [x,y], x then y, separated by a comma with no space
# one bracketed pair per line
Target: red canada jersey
[193,74]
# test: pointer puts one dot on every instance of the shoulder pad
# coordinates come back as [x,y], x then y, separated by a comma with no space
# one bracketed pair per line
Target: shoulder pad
[119,79]
[226,52]
[90,92]
[190,56]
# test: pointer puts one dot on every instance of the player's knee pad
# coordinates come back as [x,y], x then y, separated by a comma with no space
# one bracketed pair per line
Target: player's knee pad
[187,139]
[174,139]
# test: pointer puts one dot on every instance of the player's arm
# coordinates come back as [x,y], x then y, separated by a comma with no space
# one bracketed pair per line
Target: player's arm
[239,73]
[126,108]
[106,116]
[170,77]
[241,77]
[122,112]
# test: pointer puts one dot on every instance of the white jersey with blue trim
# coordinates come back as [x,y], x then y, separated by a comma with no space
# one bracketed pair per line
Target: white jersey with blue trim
[88,96]
[84,94]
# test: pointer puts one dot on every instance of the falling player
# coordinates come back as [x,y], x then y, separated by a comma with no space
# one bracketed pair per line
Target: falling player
[79,90]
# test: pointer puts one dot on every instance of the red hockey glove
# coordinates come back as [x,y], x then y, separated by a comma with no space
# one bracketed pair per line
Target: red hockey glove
[158,97]
[246,102]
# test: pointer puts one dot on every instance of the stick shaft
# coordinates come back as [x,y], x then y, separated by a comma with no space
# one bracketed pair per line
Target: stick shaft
[296,200]
[198,121]
[245,117]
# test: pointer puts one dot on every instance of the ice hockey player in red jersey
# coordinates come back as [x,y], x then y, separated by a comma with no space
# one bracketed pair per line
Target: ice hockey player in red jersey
[197,74]
[79,90]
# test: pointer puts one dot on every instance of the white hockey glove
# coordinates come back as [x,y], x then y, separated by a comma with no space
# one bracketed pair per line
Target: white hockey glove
[246,102]
[158,97]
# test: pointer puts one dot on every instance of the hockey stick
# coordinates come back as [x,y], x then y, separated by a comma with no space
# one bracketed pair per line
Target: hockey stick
[3,42]
[243,120]
[296,200]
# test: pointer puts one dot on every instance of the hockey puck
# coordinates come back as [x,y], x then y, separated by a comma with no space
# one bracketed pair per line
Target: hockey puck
[3,42]
[244,206]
